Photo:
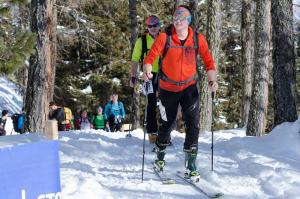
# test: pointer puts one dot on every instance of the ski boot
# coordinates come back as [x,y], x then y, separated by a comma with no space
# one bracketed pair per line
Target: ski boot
[160,152]
[190,164]
[159,164]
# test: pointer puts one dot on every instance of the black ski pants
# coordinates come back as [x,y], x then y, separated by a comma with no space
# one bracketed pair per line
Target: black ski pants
[189,101]
[151,108]
[113,124]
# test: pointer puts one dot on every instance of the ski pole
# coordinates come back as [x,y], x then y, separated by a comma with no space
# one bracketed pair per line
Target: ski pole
[212,130]
[145,121]
[131,117]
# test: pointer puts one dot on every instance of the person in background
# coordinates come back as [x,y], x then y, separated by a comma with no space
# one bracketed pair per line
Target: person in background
[3,120]
[58,114]
[85,123]
[114,113]
[76,117]
[98,120]
[140,50]
[18,120]
[68,118]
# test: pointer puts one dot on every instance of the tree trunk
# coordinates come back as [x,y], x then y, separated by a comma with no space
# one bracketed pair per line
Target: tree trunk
[259,99]
[135,98]
[284,69]
[213,34]
[195,14]
[247,34]
[41,75]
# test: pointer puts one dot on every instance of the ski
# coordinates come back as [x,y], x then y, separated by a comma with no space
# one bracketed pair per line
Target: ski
[197,186]
[163,177]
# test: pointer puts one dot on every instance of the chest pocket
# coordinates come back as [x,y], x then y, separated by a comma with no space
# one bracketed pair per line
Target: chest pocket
[190,56]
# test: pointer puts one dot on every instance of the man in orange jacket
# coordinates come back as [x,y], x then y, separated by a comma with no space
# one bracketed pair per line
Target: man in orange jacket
[177,84]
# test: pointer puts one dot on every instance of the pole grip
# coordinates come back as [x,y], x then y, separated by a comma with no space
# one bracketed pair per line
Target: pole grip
[212,93]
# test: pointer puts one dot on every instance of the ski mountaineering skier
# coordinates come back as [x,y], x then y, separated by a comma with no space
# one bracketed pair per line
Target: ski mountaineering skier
[141,47]
[178,47]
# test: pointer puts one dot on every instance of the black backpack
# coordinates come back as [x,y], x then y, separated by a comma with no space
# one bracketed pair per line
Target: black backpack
[15,118]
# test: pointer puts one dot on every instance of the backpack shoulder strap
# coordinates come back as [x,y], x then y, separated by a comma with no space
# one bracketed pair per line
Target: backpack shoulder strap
[167,46]
[144,47]
[196,44]
[168,39]
[195,38]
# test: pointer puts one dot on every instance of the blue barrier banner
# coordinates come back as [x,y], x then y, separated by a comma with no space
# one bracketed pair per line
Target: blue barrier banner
[30,171]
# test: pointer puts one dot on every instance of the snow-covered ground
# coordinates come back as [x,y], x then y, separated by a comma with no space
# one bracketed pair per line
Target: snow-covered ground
[11,100]
[97,164]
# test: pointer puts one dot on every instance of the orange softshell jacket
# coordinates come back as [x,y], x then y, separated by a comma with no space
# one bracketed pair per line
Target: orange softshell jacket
[179,64]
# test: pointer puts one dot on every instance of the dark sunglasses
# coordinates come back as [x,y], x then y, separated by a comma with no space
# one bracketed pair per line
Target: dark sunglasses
[153,26]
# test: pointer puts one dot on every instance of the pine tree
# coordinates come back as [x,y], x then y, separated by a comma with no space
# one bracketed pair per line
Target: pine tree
[41,76]
[135,97]
[213,34]
[247,37]
[16,45]
[284,70]
[259,99]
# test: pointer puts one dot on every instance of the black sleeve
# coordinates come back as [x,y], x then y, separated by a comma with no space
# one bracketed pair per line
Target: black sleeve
[51,115]
[2,125]
[60,115]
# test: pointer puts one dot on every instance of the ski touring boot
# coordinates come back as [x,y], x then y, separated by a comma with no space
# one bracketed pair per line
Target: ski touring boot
[190,164]
[160,153]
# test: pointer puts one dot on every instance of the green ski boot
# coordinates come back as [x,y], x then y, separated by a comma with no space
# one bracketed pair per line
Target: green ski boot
[191,168]
[160,162]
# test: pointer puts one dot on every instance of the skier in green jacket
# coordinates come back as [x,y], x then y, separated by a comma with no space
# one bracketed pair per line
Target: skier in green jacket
[141,47]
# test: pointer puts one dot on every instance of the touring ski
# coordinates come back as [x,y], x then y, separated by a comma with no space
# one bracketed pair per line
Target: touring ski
[198,187]
[162,176]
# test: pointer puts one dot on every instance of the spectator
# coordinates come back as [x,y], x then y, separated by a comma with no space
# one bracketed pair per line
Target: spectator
[85,123]
[77,116]
[18,121]
[3,120]
[68,118]
[98,120]
[114,113]
[58,114]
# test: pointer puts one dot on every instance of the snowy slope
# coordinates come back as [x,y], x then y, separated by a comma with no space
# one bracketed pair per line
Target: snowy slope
[10,99]
[97,164]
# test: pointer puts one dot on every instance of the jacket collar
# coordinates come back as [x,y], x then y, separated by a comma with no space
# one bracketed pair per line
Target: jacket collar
[176,39]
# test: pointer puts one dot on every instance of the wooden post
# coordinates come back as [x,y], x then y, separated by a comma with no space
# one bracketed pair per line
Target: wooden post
[51,129]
